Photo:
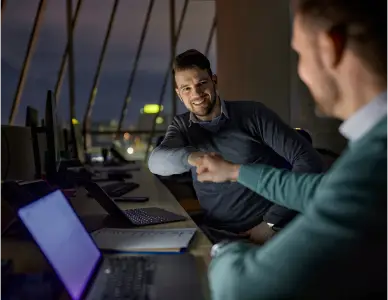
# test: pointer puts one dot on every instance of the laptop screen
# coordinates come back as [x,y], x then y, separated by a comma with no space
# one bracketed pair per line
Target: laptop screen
[63,239]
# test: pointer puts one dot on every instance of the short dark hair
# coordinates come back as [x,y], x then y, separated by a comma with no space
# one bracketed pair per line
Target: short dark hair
[364,24]
[190,59]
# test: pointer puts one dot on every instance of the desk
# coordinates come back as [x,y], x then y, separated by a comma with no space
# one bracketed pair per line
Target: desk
[27,257]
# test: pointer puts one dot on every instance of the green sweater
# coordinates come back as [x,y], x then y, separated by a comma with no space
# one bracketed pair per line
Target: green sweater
[336,249]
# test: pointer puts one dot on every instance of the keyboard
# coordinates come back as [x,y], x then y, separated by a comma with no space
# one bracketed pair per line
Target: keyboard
[128,278]
[151,215]
[119,189]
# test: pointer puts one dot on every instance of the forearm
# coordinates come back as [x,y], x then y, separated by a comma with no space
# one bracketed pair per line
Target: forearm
[279,268]
[315,256]
[166,161]
[274,271]
[288,189]
[247,272]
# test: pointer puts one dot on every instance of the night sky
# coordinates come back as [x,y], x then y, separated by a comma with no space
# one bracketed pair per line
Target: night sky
[89,35]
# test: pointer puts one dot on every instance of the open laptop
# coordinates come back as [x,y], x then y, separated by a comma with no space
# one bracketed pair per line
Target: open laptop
[131,217]
[86,274]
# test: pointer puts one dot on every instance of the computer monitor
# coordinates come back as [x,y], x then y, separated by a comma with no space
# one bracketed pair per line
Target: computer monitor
[67,246]
[66,139]
[17,153]
[61,137]
[32,117]
[51,122]
[32,121]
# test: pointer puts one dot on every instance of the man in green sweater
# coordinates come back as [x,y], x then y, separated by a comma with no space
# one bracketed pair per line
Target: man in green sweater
[336,248]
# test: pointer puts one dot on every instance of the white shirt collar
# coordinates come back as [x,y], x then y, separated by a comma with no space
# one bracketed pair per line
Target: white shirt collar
[365,118]
[224,111]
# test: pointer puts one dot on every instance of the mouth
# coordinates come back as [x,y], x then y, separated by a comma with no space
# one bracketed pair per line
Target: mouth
[198,102]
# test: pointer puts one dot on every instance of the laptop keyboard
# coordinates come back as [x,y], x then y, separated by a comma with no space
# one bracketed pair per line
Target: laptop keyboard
[128,278]
[139,216]
[120,188]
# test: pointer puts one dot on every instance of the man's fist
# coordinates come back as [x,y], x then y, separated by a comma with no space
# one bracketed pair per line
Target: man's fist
[214,168]
[194,157]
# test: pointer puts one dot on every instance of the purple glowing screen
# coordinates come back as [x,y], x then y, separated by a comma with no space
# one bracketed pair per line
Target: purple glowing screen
[63,239]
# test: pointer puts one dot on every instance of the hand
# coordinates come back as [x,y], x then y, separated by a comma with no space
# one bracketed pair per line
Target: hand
[214,168]
[261,233]
[194,157]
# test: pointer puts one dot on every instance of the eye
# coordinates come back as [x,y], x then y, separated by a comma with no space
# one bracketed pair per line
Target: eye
[186,89]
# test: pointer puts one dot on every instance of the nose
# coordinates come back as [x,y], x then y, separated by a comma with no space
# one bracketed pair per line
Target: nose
[197,91]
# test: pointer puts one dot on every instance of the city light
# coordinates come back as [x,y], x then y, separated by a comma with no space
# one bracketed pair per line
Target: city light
[74,121]
[130,150]
[98,158]
[151,108]
[159,120]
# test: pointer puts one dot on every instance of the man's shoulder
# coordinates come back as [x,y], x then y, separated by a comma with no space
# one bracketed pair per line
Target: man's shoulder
[249,109]
[181,120]
[366,158]
[245,106]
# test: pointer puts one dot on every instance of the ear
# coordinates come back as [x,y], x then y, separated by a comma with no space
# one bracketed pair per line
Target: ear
[332,47]
[214,79]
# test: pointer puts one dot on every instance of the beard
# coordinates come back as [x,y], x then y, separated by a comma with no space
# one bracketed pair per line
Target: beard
[206,107]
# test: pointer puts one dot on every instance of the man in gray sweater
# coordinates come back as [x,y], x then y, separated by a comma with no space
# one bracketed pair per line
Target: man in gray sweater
[243,132]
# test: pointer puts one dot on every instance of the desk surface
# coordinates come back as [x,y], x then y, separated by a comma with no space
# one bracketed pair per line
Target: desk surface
[27,258]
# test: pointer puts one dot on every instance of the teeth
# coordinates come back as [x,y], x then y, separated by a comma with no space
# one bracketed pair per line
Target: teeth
[198,102]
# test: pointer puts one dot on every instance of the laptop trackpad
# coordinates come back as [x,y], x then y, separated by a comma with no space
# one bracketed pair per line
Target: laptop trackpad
[176,277]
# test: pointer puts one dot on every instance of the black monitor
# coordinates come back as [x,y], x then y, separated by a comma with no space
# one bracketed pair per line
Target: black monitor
[66,139]
[52,157]
[32,117]
[32,120]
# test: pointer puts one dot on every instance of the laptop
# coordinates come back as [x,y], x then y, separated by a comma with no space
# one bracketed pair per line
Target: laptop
[86,274]
[131,217]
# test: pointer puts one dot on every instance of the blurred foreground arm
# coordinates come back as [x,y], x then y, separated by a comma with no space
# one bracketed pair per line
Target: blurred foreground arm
[333,251]
[283,187]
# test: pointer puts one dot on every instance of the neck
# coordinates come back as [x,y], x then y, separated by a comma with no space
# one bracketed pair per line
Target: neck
[216,111]
[360,89]
[359,100]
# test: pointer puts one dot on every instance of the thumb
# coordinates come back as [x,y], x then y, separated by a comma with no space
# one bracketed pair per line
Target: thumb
[206,176]
[214,154]
[201,169]
[197,162]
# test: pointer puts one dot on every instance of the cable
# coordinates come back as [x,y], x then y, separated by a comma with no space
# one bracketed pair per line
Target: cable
[8,156]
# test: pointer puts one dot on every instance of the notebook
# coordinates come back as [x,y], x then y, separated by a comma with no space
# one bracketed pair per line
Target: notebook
[143,240]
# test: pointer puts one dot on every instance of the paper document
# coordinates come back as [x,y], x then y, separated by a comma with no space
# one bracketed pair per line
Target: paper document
[143,240]
[124,168]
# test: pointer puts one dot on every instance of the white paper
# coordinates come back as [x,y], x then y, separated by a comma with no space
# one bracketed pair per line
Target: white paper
[143,239]
[124,168]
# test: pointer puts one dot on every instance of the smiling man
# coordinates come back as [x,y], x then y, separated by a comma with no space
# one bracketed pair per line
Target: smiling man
[336,249]
[244,132]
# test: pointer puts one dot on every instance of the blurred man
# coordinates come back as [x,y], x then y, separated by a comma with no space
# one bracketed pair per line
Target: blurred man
[336,249]
[241,131]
